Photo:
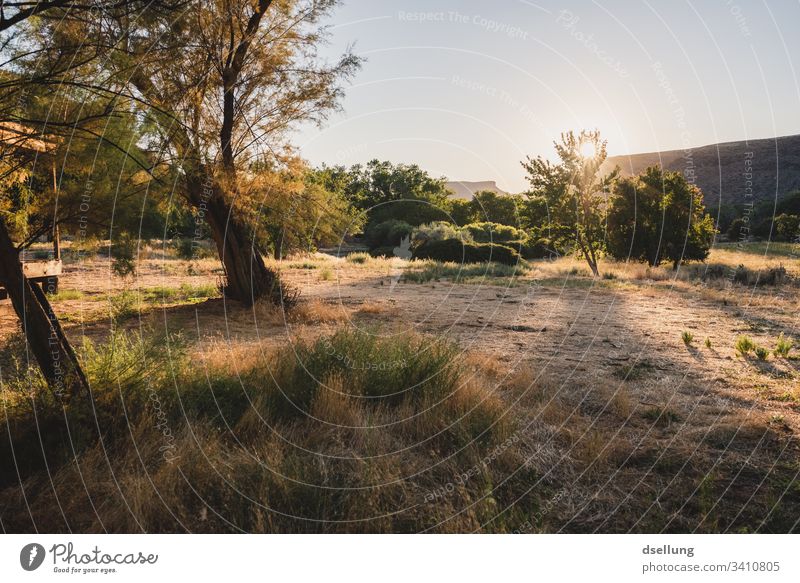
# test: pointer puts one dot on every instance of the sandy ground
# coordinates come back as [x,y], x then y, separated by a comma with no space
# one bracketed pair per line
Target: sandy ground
[609,352]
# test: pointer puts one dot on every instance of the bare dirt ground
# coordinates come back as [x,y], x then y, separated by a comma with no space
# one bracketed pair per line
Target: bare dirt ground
[624,423]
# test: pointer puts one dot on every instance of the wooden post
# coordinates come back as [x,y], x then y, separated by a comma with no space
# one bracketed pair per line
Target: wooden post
[50,346]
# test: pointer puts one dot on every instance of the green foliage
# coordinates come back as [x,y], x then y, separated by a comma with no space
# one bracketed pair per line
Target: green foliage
[187,249]
[532,248]
[708,343]
[783,346]
[494,233]
[123,254]
[459,252]
[293,210]
[387,191]
[491,207]
[762,352]
[738,230]
[462,212]
[744,345]
[661,416]
[358,258]
[687,337]
[658,216]
[483,273]
[439,231]
[388,233]
[574,194]
[786,228]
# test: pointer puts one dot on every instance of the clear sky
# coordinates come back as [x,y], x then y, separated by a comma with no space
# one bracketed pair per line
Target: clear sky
[466,89]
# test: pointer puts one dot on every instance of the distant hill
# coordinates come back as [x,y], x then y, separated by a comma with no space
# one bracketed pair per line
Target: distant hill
[466,190]
[769,167]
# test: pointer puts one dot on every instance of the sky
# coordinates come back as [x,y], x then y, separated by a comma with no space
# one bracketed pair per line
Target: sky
[467,89]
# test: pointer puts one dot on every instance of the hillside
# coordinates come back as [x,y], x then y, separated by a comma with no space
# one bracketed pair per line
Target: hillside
[766,168]
[465,190]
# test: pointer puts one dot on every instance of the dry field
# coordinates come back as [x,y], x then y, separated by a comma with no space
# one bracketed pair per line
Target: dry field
[625,401]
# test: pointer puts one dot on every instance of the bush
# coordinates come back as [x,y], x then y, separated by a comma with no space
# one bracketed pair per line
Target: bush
[744,345]
[494,233]
[771,276]
[783,346]
[458,252]
[358,258]
[439,231]
[314,436]
[123,253]
[532,248]
[762,352]
[387,234]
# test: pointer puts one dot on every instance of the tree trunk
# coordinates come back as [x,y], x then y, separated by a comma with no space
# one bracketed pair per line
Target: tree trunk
[49,344]
[247,277]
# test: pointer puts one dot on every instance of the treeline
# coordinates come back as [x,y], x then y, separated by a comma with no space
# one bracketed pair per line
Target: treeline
[570,208]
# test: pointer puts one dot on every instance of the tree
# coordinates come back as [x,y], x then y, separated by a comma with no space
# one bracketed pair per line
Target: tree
[390,192]
[222,81]
[659,216]
[299,213]
[51,349]
[574,193]
[491,207]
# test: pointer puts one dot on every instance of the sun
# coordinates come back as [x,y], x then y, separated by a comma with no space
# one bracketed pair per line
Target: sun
[588,150]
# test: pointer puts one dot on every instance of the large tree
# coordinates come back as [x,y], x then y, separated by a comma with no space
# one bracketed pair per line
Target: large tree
[575,193]
[223,81]
[658,216]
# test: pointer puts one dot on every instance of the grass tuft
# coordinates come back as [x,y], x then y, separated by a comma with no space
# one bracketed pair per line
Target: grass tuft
[744,345]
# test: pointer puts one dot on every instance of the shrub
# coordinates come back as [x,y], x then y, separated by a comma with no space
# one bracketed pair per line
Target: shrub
[462,273]
[687,337]
[771,276]
[439,231]
[358,258]
[708,343]
[387,234]
[494,233]
[531,248]
[744,345]
[123,253]
[783,346]
[315,471]
[762,352]
[458,252]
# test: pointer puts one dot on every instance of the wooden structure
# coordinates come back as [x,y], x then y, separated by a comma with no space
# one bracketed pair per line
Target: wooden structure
[44,272]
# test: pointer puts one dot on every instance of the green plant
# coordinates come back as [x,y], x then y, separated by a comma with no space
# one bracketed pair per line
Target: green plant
[493,233]
[123,253]
[326,274]
[358,258]
[429,270]
[744,345]
[783,346]
[459,252]
[661,416]
[762,352]
[687,337]
[708,343]
[439,231]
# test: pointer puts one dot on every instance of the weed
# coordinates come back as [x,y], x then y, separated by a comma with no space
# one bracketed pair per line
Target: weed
[661,416]
[326,274]
[687,337]
[762,352]
[744,345]
[783,346]
[359,258]
[708,343]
